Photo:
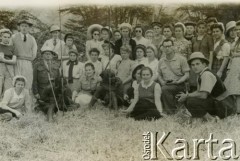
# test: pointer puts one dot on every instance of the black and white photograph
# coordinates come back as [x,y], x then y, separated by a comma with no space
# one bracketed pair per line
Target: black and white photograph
[119,80]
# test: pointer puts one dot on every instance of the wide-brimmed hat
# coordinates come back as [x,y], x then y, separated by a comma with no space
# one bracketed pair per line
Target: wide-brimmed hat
[5,30]
[73,51]
[197,55]
[190,23]
[47,48]
[25,21]
[159,24]
[230,25]
[54,28]
[125,25]
[181,24]
[92,28]
[18,76]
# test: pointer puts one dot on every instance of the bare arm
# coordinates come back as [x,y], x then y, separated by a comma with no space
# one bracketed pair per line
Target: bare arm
[183,78]
[157,97]
[210,60]
[10,62]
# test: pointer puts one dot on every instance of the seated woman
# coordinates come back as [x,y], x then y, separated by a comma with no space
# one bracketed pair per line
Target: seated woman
[146,104]
[136,79]
[87,86]
[72,69]
[16,100]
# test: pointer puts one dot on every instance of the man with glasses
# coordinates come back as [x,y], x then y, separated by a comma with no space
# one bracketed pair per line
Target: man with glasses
[139,37]
[173,71]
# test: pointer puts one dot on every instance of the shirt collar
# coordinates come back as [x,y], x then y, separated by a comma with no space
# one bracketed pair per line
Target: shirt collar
[203,71]
[173,59]
[91,78]
[146,86]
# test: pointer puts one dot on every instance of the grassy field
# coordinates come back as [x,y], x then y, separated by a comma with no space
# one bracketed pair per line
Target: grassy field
[101,135]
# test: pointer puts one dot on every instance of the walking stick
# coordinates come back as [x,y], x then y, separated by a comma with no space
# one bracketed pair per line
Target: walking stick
[61,60]
[54,96]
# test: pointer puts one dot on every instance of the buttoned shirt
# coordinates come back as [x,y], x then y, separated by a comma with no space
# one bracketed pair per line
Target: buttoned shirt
[179,67]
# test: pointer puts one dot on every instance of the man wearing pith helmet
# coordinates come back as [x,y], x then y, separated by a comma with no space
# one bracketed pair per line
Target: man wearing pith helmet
[55,43]
[44,70]
[25,48]
[211,98]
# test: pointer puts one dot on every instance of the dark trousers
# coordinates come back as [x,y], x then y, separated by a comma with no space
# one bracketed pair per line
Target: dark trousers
[199,107]
[169,93]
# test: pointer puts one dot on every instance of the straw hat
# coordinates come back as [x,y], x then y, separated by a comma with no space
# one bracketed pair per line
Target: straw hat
[16,77]
[92,28]
[197,55]
[54,28]
[230,25]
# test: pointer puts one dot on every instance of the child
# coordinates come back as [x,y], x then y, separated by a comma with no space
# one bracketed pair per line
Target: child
[125,67]
[16,100]
[87,86]
[140,54]
[94,56]
[72,69]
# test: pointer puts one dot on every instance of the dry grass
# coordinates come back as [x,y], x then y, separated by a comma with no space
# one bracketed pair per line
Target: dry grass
[98,135]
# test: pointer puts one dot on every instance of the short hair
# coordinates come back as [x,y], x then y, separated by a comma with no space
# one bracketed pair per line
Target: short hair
[153,48]
[94,50]
[201,22]
[167,40]
[67,36]
[212,19]
[146,68]
[140,27]
[19,80]
[168,26]
[89,65]
[109,44]
[137,68]
[126,48]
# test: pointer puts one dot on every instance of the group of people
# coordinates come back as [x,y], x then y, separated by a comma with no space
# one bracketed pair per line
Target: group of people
[190,67]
